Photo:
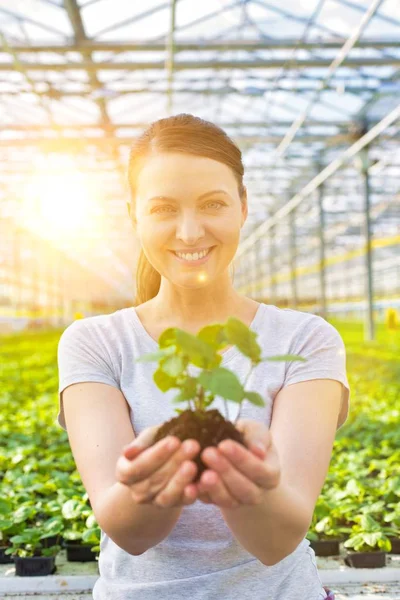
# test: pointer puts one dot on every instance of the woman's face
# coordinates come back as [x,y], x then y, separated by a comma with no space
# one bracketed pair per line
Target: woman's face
[185,203]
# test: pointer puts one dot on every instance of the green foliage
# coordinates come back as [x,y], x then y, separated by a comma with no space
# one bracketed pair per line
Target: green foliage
[179,348]
[41,489]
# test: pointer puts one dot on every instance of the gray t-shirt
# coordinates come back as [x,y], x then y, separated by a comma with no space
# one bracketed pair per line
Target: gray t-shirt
[201,559]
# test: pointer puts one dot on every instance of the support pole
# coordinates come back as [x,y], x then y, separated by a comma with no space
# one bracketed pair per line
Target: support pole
[293,256]
[369,322]
[272,265]
[321,232]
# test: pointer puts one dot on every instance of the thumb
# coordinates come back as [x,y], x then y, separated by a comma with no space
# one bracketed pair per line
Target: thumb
[144,440]
[256,435]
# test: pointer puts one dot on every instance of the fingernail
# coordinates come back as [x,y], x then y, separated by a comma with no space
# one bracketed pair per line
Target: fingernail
[260,446]
[131,447]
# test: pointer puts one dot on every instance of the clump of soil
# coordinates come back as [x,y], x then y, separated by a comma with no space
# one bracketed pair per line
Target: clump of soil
[209,428]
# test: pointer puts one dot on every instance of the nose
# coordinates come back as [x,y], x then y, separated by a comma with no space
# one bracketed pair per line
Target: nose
[190,229]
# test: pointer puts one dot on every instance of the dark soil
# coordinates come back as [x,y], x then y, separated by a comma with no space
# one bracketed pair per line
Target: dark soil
[209,428]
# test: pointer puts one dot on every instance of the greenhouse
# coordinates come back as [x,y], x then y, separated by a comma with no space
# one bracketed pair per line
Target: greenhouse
[309,92]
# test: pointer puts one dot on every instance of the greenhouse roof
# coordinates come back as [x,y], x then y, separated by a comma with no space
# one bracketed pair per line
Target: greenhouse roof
[302,87]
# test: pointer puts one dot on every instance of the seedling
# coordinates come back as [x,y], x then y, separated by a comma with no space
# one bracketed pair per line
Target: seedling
[178,349]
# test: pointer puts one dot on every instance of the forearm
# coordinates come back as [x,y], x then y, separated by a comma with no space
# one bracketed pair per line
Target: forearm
[271,530]
[134,527]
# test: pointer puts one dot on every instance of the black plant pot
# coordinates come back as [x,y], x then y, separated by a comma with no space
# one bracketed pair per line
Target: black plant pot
[366,560]
[51,541]
[78,552]
[395,545]
[34,566]
[5,559]
[326,547]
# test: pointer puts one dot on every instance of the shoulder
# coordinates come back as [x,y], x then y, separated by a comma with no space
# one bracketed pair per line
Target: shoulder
[288,319]
[298,329]
[97,328]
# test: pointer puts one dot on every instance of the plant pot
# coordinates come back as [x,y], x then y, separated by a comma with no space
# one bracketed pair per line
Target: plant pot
[395,545]
[5,559]
[326,547]
[34,566]
[51,541]
[366,560]
[78,552]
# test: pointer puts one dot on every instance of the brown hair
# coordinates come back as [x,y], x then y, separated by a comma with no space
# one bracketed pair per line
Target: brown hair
[180,133]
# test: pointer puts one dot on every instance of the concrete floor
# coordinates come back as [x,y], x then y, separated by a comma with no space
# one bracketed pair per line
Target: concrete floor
[81,576]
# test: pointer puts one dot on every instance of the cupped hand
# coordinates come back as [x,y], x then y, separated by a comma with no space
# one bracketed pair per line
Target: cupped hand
[239,476]
[159,474]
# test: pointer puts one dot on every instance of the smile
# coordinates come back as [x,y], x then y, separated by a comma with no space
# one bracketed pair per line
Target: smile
[193,261]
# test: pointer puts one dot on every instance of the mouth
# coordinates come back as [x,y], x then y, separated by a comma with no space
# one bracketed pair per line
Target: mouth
[192,262]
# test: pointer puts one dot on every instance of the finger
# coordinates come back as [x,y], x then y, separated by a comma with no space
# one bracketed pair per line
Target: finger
[147,462]
[217,491]
[190,494]
[145,439]
[186,451]
[238,486]
[245,462]
[254,431]
[204,497]
[173,493]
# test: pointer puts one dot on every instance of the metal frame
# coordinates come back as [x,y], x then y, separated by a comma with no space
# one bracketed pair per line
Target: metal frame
[317,94]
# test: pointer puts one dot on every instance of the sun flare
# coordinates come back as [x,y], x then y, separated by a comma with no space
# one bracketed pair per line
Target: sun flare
[58,206]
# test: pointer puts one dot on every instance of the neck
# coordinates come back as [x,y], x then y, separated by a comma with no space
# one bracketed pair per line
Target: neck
[196,306]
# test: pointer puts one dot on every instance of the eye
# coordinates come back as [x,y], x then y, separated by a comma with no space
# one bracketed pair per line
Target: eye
[216,202]
[162,208]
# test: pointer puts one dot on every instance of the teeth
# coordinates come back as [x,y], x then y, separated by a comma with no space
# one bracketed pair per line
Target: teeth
[194,256]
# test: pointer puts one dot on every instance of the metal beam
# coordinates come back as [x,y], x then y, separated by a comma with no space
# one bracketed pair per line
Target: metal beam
[340,58]
[75,17]
[202,46]
[391,118]
[170,56]
[83,141]
[141,125]
[267,63]
[228,91]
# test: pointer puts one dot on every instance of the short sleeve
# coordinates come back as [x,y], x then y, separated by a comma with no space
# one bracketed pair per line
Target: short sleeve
[322,345]
[81,358]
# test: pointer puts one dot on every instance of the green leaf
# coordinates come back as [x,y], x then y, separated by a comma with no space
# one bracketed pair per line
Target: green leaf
[163,381]
[198,351]
[188,390]
[155,356]
[286,357]
[240,335]
[213,335]
[372,538]
[172,366]
[222,382]
[167,338]
[254,398]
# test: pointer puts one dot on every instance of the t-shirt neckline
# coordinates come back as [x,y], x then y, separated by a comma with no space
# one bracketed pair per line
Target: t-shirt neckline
[226,356]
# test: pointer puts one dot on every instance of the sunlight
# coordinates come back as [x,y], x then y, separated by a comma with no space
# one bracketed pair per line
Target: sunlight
[58,207]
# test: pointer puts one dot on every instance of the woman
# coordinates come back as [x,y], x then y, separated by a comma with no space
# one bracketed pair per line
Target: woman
[238,533]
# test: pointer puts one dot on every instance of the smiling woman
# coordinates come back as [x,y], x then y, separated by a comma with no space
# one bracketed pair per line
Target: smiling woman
[188,206]
[187,195]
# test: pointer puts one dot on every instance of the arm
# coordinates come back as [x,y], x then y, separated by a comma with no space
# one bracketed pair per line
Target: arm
[303,427]
[99,426]
[134,528]
[271,530]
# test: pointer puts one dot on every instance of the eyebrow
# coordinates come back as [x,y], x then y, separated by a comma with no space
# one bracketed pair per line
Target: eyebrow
[213,192]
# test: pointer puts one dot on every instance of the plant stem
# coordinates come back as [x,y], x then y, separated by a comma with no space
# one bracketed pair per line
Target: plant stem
[253,365]
[226,409]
